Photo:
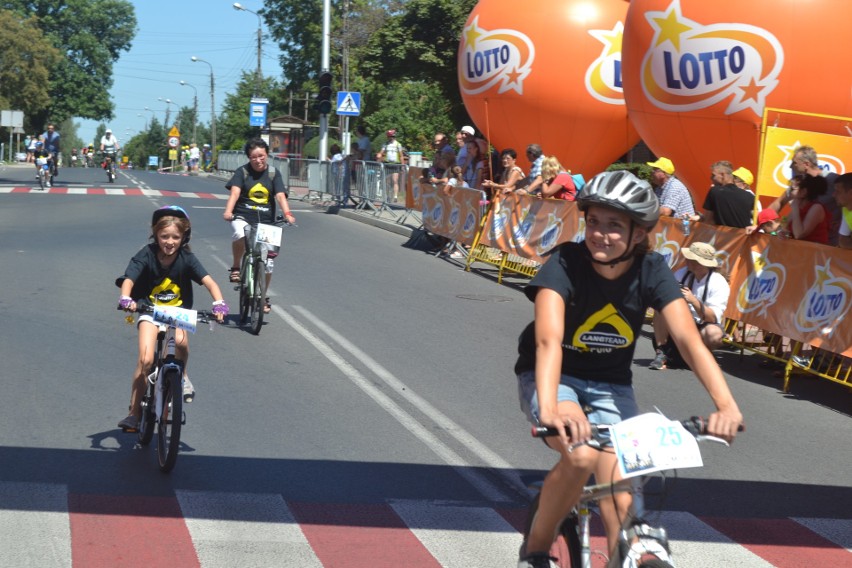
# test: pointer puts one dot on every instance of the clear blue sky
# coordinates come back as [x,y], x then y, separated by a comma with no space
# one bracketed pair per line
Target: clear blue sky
[168,34]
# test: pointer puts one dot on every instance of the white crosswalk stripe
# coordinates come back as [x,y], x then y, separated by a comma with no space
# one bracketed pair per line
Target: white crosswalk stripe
[37,530]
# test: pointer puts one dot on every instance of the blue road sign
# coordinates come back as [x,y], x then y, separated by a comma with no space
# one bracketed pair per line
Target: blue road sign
[348,103]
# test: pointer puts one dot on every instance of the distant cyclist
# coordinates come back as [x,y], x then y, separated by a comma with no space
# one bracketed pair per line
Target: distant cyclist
[42,152]
[109,145]
[51,144]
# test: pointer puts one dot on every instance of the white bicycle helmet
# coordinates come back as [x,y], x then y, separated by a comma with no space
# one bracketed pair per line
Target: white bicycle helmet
[622,191]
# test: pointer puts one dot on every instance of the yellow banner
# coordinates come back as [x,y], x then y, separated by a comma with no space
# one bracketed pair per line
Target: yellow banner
[773,177]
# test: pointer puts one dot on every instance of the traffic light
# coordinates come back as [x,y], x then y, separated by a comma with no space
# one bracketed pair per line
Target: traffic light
[323,105]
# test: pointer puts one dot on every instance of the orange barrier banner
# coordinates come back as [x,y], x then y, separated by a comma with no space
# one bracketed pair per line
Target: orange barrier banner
[795,289]
[453,216]
[529,227]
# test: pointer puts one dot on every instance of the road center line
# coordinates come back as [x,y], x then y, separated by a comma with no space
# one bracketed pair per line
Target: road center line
[502,468]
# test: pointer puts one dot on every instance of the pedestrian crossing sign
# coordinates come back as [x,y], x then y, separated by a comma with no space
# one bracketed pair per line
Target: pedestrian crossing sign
[348,103]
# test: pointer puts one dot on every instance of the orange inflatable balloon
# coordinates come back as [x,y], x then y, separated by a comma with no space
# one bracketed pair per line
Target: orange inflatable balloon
[698,75]
[548,72]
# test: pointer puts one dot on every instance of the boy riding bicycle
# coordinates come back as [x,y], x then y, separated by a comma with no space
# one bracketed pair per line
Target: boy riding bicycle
[574,359]
[163,273]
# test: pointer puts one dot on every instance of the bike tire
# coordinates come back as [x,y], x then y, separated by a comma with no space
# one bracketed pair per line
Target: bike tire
[245,287]
[146,424]
[41,178]
[258,298]
[168,428]
[566,547]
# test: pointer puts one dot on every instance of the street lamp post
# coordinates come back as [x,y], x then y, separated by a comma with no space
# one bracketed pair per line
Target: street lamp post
[140,115]
[194,109]
[169,102]
[258,76]
[212,105]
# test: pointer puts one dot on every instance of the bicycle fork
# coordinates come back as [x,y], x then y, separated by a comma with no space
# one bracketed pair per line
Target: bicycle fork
[170,363]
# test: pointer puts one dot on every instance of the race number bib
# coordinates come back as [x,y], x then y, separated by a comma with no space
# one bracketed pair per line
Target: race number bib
[651,442]
[180,318]
[269,235]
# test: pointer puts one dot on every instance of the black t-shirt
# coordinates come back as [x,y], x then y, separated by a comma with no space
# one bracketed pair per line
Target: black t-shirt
[731,206]
[603,318]
[257,194]
[165,286]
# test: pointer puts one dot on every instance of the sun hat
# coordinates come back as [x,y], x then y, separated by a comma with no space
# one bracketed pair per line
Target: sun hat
[663,164]
[702,253]
[766,215]
[744,174]
[468,130]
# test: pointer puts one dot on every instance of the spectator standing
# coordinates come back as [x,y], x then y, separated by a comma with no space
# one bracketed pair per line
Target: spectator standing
[843,196]
[27,141]
[474,172]
[805,161]
[194,157]
[463,136]
[675,199]
[558,183]
[511,175]
[809,220]
[706,293]
[363,143]
[31,147]
[536,157]
[394,154]
[726,204]
[207,155]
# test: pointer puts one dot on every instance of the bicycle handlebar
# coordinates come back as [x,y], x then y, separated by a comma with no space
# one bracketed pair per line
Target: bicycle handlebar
[696,425]
[144,306]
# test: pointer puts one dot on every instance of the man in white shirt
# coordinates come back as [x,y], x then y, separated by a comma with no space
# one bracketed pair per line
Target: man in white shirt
[109,143]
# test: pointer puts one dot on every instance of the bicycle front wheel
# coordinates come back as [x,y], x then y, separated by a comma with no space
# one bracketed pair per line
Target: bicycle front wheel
[41,178]
[168,429]
[245,288]
[258,298]
[566,547]
[146,425]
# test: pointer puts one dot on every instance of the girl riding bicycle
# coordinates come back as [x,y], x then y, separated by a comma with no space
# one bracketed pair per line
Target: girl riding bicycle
[163,273]
[574,358]
[255,191]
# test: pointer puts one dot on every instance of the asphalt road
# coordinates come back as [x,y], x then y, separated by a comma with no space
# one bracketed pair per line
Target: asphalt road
[383,375]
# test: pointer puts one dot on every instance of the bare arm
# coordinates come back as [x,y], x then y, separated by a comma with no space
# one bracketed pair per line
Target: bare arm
[228,214]
[215,292]
[281,199]
[727,418]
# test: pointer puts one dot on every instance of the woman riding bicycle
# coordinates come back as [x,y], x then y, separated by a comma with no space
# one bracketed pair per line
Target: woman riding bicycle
[254,195]
[163,273]
[574,358]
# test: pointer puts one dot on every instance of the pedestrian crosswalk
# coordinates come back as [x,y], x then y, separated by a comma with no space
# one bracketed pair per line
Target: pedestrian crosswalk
[85,190]
[47,526]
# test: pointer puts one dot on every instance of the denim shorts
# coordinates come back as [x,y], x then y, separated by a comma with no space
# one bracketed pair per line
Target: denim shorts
[603,403]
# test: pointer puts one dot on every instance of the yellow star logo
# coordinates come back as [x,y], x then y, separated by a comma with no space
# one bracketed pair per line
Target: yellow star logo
[611,39]
[670,28]
[823,274]
[472,34]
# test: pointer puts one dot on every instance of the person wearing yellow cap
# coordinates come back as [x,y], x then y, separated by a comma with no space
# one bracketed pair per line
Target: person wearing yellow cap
[675,199]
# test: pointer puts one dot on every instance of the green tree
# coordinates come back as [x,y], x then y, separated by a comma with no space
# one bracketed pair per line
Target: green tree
[232,126]
[90,34]
[26,59]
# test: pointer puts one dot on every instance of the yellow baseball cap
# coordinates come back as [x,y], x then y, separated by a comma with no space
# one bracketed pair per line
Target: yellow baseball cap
[663,164]
[744,174]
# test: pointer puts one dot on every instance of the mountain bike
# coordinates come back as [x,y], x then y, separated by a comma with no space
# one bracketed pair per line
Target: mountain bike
[644,444]
[262,245]
[162,404]
[109,165]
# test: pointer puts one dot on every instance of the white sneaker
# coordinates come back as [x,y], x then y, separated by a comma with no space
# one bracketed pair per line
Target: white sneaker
[188,389]
[540,560]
